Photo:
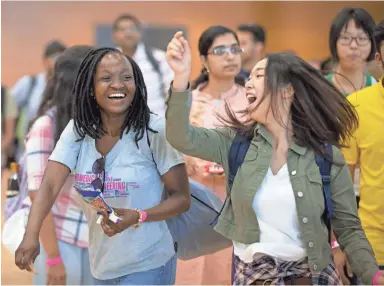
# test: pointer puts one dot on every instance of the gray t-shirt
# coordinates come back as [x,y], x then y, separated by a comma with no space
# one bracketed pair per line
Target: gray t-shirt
[132,180]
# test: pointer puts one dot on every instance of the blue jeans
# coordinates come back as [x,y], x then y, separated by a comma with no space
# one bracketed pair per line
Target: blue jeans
[76,262]
[164,275]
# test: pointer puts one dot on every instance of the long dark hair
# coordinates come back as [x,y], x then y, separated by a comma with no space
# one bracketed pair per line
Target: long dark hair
[205,42]
[320,113]
[58,91]
[86,114]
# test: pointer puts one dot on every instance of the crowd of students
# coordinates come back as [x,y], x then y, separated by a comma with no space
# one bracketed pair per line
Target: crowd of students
[130,122]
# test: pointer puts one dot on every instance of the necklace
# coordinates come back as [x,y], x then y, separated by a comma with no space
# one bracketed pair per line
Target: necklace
[341,87]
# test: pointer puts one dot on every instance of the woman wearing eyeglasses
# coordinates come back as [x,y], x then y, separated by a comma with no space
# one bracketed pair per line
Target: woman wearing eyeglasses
[219,51]
[352,45]
[275,211]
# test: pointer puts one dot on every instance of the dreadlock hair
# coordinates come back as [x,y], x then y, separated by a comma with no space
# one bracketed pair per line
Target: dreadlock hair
[86,114]
[57,94]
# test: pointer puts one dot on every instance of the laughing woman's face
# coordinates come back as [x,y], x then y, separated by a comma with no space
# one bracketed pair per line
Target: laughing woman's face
[259,104]
[114,84]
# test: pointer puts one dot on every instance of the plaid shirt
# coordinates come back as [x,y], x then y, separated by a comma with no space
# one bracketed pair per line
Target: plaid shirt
[265,267]
[71,224]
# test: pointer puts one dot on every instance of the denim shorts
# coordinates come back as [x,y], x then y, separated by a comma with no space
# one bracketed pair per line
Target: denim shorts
[163,275]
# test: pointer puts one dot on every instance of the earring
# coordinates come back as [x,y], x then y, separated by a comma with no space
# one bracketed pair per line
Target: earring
[207,69]
[97,106]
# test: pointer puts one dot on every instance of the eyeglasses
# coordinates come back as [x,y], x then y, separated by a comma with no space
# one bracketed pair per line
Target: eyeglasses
[99,168]
[219,51]
[360,41]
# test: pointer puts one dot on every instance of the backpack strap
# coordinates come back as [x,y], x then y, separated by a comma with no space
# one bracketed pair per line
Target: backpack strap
[3,102]
[325,166]
[2,99]
[21,120]
[156,66]
[31,87]
[192,195]
[237,152]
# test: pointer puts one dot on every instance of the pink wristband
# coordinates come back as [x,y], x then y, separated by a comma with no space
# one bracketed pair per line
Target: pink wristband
[374,281]
[334,244]
[54,261]
[143,216]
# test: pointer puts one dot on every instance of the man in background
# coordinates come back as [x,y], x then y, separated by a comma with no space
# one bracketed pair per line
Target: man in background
[252,40]
[8,123]
[127,35]
[28,91]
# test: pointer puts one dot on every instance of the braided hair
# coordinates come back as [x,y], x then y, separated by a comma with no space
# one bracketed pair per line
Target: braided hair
[86,114]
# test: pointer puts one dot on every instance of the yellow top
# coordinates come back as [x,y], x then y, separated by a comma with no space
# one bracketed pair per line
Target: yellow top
[367,148]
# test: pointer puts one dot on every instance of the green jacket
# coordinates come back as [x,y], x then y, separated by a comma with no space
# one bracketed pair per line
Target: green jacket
[238,221]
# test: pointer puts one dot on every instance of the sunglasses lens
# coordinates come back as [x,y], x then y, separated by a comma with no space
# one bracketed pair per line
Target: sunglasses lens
[97,184]
[98,166]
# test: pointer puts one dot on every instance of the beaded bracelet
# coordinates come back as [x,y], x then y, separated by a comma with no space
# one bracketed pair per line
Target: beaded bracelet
[142,217]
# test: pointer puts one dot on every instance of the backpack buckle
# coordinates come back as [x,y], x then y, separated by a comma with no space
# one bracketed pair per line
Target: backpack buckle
[326,180]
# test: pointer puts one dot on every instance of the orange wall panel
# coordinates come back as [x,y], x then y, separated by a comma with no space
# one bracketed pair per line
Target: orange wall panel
[27,26]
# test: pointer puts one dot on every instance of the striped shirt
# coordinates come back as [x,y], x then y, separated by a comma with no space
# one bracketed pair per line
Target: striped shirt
[71,225]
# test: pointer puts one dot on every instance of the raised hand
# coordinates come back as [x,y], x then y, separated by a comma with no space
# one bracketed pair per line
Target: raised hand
[179,59]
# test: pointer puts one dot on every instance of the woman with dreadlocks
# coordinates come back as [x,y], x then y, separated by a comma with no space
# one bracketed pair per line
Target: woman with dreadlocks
[116,145]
